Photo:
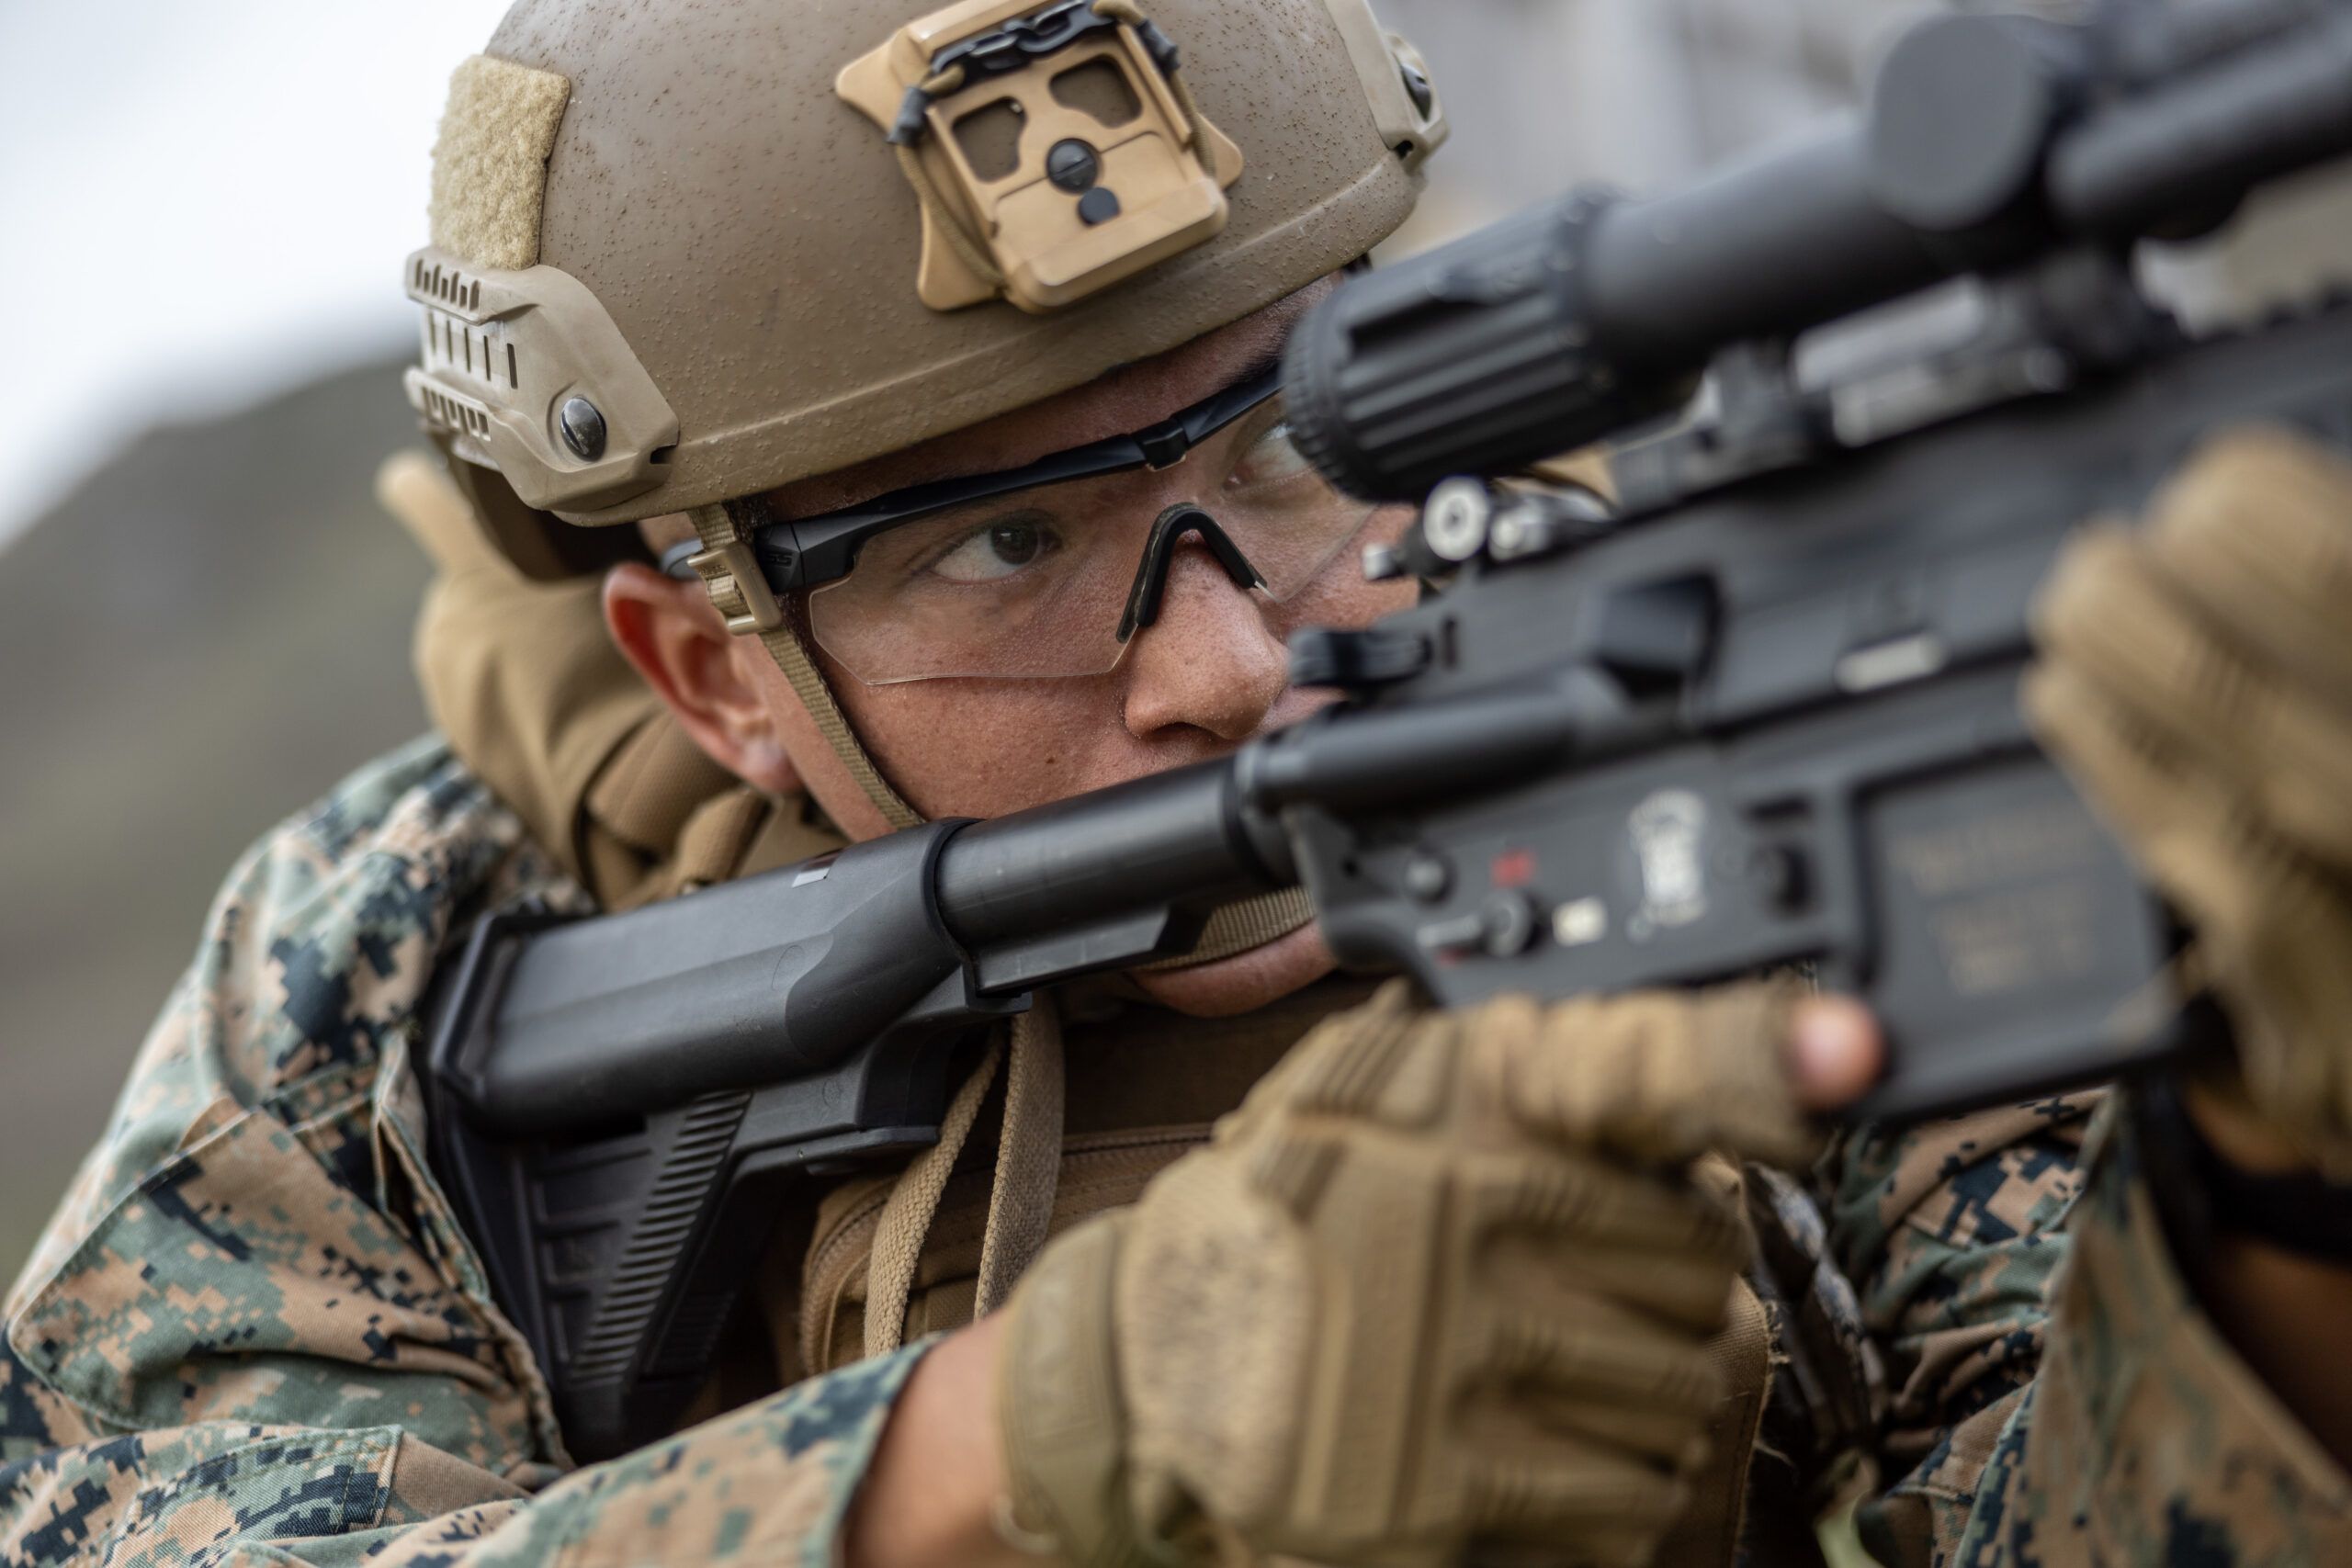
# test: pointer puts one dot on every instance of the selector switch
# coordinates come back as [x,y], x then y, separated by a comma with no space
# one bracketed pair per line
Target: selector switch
[1507,923]
[1503,926]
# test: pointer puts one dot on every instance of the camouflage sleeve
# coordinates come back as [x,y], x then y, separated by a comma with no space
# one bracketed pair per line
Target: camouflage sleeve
[1951,1233]
[769,1484]
[2146,1440]
[255,1333]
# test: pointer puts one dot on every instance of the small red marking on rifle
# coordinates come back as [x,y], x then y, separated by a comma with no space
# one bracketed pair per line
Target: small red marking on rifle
[1514,868]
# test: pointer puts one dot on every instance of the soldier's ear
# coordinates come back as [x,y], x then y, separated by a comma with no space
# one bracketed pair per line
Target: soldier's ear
[669,632]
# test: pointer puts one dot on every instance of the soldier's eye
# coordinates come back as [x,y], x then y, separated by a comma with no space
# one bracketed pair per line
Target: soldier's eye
[1273,459]
[996,551]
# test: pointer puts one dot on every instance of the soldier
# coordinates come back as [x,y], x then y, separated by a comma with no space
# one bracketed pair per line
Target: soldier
[1440,1277]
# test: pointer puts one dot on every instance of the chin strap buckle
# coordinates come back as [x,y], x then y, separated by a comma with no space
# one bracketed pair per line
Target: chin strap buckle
[738,588]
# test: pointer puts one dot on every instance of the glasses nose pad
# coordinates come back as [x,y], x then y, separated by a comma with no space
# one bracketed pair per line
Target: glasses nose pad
[1160,550]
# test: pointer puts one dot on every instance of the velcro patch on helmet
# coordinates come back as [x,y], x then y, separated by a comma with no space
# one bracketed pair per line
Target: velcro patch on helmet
[1054,149]
[490,165]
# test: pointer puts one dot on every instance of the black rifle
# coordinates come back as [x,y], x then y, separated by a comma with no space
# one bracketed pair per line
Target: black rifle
[1765,714]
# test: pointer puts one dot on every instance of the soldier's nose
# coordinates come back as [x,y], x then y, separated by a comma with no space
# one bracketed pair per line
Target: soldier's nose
[1209,662]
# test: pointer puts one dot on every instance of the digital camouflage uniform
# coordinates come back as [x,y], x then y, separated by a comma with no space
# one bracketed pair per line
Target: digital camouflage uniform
[254,1334]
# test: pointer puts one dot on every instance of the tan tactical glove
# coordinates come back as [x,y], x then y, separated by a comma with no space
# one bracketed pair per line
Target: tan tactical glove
[2197,681]
[1442,1277]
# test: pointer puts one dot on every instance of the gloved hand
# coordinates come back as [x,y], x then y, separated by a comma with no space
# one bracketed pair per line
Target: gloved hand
[1442,1276]
[2197,682]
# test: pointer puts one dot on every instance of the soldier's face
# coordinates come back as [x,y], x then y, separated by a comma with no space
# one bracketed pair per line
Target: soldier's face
[1210,674]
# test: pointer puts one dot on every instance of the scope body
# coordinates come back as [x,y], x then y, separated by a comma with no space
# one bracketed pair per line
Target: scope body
[1990,142]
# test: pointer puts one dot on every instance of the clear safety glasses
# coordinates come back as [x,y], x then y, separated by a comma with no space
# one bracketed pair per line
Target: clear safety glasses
[1052,569]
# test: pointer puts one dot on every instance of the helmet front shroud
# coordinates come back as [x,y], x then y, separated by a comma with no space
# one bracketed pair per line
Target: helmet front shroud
[680,259]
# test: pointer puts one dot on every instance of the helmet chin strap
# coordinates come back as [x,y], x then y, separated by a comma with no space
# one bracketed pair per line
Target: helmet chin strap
[741,594]
[731,575]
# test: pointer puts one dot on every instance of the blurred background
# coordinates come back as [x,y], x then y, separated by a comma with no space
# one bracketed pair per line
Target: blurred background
[203,614]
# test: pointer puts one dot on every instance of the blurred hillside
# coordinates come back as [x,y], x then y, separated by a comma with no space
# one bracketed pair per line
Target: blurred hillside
[210,631]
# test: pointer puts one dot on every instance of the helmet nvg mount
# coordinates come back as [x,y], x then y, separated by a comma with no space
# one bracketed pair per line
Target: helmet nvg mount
[684,254]
[1075,152]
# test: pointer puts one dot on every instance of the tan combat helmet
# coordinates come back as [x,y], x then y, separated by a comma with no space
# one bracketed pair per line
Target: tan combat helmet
[686,253]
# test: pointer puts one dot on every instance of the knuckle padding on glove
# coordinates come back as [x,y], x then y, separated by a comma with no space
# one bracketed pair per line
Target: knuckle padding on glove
[1609,1357]
[2266,917]
[1680,1286]
[1417,1231]
[2260,529]
[1590,1200]
[1509,1499]
[2196,680]
[2131,623]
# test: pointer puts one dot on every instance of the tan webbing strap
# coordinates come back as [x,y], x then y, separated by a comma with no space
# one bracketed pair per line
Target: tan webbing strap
[1238,927]
[791,655]
[1028,1158]
[741,595]
[1143,1086]
[906,1218]
[1021,1200]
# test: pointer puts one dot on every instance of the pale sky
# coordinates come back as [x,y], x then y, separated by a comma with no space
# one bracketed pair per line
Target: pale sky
[201,206]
